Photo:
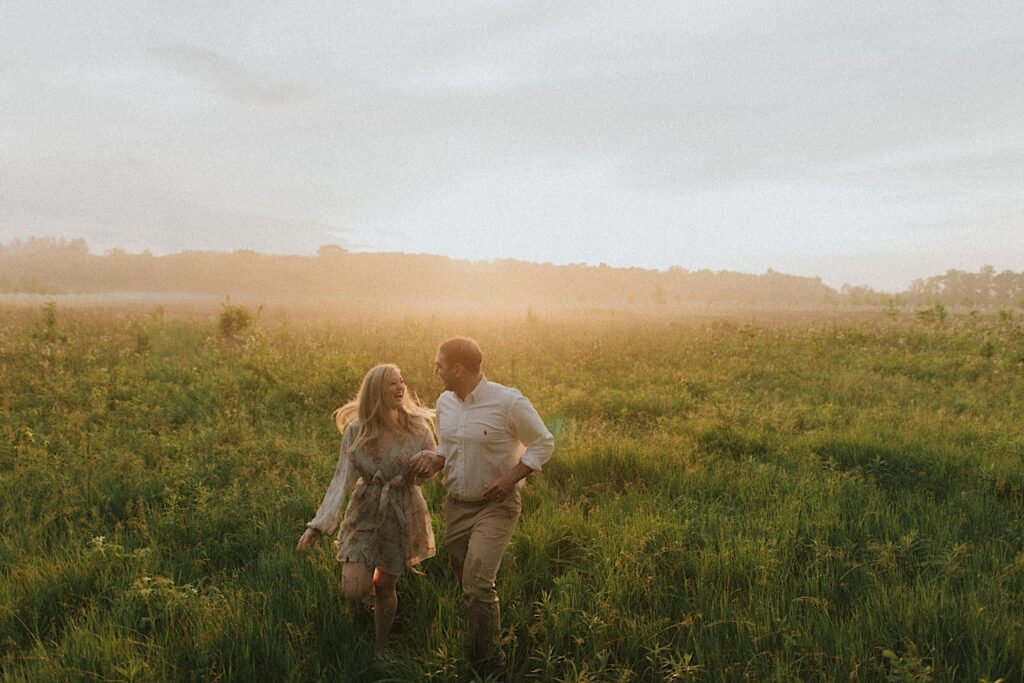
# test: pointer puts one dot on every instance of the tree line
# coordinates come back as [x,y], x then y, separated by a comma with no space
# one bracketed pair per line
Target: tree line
[59,266]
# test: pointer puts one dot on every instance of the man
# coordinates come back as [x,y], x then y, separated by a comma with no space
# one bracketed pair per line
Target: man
[490,440]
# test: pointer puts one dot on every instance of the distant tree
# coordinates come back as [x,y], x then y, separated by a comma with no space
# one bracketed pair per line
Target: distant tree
[985,289]
[861,295]
[331,250]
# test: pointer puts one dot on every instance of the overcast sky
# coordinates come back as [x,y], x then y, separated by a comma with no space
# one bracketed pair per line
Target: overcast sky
[863,142]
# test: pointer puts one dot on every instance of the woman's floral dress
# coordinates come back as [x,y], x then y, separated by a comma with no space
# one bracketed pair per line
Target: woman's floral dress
[386,523]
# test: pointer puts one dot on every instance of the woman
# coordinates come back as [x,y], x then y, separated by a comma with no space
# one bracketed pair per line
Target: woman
[386,525]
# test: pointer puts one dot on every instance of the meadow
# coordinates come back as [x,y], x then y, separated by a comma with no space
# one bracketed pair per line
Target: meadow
[731,498]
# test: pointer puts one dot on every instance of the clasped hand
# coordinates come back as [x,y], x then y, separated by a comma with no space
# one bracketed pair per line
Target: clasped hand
[425,464]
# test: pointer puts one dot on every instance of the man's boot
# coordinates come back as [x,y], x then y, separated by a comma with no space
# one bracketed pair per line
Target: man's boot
[483,628]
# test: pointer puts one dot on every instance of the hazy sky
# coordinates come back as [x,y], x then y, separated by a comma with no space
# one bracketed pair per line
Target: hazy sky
[865,142]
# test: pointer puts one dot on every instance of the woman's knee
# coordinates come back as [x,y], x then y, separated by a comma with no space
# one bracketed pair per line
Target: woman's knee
[383,581]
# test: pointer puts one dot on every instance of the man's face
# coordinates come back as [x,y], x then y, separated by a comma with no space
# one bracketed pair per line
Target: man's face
[446,372]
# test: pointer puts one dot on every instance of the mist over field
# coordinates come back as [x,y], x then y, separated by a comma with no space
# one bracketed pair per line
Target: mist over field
[411,283]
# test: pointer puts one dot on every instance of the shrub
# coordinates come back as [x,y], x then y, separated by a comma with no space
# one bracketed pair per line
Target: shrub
[234,320]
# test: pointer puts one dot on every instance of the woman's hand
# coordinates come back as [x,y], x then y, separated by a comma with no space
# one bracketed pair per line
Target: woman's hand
[308,539]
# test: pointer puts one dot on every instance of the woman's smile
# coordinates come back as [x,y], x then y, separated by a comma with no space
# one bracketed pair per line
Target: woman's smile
[395,391]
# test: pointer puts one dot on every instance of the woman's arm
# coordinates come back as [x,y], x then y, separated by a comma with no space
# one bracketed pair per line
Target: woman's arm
[427,462]
[344,479]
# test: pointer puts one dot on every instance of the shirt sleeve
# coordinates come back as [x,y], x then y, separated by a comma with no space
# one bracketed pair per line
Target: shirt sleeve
[437,423]
[532,433]
[342,483]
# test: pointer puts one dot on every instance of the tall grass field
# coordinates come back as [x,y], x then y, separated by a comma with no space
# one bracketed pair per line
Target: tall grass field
[822,498]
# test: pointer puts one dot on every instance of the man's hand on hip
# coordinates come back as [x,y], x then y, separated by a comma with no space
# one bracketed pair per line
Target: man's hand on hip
[502,487]
[499,489]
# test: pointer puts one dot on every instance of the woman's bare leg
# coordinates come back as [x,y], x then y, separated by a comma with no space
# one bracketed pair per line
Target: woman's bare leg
[357,583]
[384,605]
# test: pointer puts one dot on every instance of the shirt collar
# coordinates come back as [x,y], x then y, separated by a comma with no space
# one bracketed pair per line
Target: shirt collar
[478,391]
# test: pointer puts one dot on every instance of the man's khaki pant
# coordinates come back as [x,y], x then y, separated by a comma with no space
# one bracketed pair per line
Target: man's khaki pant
[476,536]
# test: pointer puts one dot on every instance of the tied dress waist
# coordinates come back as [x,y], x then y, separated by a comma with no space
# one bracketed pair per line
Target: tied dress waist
[380,486]
[384,497]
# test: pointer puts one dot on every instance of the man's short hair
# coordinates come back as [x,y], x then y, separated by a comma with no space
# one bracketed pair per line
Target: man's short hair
[464,351]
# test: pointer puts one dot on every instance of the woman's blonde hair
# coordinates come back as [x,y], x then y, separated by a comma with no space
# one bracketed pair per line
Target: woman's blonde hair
[367,409]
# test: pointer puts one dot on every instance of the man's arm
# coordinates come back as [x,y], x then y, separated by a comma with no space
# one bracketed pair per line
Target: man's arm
[501,487]
[532,433]
[539,442]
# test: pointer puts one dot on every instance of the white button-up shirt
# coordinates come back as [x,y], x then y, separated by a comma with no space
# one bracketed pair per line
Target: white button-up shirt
[485,435]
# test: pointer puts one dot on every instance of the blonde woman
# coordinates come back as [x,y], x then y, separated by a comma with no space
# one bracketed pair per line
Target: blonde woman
[386,525]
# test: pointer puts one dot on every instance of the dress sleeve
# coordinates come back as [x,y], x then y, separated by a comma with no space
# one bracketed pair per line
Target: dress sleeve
[428,443]
[342,483]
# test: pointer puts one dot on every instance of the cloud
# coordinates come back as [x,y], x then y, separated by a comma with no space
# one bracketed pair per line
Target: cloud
[741,131]
[227,77]
[794,91]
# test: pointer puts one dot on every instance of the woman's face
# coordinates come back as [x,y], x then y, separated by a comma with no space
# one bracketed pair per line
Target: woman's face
[394,390]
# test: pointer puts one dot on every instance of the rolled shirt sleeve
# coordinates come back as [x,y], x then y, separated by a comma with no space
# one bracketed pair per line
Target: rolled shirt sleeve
[532,433]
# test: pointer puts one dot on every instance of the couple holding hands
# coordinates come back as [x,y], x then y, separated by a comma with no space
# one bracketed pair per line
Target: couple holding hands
[491,438]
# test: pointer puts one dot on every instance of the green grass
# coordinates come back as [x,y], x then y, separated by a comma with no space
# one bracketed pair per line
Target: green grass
[730,499]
